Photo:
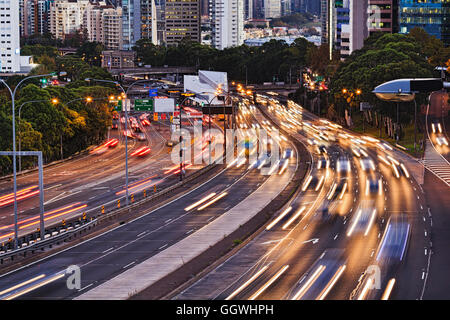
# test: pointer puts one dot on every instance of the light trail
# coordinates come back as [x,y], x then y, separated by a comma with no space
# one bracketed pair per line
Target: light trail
[36,286]
[309,283]
[281,216]
[200,201]
[332,282]
[388,290]
[297,214]
[242,287]
[220,196]
[269,283]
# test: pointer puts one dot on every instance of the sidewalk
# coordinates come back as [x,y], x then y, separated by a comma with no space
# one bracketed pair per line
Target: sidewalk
[145,274]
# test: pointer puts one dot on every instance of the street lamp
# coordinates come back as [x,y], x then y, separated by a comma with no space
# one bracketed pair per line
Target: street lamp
[209,117]
[13,96]
[123,95]
[351,94]
[20,138]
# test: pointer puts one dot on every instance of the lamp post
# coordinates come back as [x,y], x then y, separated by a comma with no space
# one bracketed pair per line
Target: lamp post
[126,137]
[13,95]
[125,93]
[20,138]
[209,119]
[349,95]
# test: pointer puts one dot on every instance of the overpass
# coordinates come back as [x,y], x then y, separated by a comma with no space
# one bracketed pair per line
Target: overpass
[139,71]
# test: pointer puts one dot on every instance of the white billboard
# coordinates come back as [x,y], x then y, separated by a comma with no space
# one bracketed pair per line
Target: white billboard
[164,104]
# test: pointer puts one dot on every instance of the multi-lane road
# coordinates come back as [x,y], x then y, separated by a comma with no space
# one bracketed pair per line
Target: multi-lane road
[364,223]
[360,213]
[103,257]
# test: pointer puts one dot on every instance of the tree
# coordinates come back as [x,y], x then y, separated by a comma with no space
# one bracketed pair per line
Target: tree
[383,58]
[91,52]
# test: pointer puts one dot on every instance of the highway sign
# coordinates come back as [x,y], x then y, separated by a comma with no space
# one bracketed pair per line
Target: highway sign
[163,116]
[143,104]
[155,117]
[164,104]
[364,106]
[121,103]
[153,92]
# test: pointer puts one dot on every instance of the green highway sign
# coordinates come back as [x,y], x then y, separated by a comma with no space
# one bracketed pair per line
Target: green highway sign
[118,106]
[143,105]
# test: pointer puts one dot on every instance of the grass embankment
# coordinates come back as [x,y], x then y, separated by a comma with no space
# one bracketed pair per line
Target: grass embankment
[407,140]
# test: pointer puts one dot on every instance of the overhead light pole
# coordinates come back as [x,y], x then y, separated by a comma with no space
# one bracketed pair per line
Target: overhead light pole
[404,90]
[13,95]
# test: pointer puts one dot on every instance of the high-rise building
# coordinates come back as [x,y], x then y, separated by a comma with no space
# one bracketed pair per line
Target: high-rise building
[153,20]
[248,9]
[131,22]
[182,20]
[285,7]
[344,25]
[204,8]
[383,16]
[33,17]
[67,16]
[104,24]
[430,15]
[227,23]
[9,36]
[112,28]
[272,9]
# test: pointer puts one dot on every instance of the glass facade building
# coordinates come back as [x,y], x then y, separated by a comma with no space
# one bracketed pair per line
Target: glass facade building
[431,15]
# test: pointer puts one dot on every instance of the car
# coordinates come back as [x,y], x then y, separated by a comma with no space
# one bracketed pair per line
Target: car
[322,163]
[170,143]
[441,140]
[141,136]
[436,126]
[343,165]
[141,152]
[362,219]
[373,186]
[115,125]
[367,164]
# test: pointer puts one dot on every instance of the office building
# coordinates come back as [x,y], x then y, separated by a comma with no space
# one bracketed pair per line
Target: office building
[383,16]
[272,9]
[432,16]
[182,20]
[33,17]
[131,22]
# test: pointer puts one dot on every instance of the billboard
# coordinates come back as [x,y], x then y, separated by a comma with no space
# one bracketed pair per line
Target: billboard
[164,104]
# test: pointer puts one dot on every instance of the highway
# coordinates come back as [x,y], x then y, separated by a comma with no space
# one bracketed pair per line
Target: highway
[322,244]
[75,186]
[104,256]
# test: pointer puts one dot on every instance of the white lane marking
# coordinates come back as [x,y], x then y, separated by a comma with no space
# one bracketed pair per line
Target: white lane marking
[142,233]
[189,231]
[52,187]
[85,287]
[129,264]
[108,249]
[162,246]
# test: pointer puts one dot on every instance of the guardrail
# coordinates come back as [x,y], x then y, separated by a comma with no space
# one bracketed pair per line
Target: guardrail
[56,234]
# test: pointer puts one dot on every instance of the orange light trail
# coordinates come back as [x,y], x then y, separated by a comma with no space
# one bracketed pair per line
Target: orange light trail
[21,197]
[37,216]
